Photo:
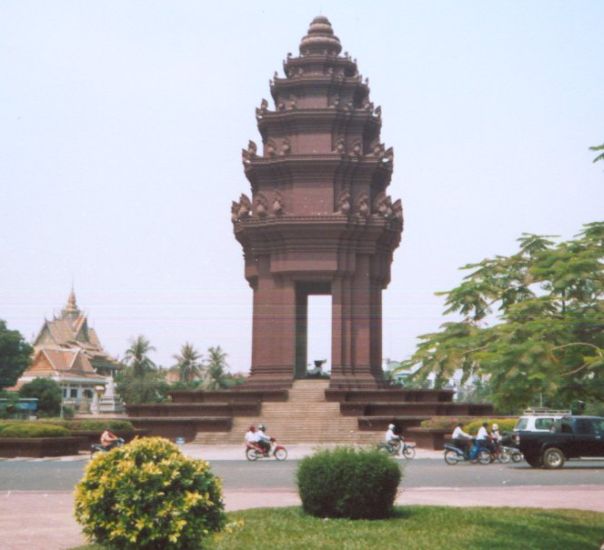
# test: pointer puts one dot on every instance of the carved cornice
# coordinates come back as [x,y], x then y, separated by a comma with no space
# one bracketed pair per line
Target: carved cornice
[290,121]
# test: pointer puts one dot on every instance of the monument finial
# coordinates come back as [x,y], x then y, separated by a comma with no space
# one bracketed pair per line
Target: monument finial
[71,308]
[320,38]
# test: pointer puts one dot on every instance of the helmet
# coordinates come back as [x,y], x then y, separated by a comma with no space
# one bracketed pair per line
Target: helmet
[495,427]
[262,427]
[391,426]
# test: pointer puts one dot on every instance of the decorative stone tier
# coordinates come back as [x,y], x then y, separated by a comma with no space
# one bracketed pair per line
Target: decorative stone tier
[211,409]
[38,447]
[380,423]
[426,408]
[388,395]
[430,438]
[181,426]
[309,412]
[238,394]
[90,437]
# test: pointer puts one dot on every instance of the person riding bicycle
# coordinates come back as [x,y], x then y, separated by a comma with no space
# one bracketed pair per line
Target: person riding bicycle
[461,439]
[264,440]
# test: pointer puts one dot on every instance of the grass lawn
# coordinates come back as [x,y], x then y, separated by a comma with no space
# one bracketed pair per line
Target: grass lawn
[414,527]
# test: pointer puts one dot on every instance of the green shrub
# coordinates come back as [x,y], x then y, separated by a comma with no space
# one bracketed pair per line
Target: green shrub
[444,422]
[147,495]
[48,393]
[32,429]
[505,424]
[116,425]
[348,483]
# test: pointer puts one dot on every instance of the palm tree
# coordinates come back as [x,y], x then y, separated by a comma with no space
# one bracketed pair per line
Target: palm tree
[188,363]
[136,356]
[216,369]
[598,148]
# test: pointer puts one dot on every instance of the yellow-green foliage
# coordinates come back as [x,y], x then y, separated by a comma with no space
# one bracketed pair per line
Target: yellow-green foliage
[148,496]
[115,425]
[505,424]
[444,422]
[31,429]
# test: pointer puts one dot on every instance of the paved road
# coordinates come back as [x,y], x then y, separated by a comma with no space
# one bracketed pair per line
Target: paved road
[243,475]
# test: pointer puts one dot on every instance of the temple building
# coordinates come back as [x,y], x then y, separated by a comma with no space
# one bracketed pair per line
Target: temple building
[69,351]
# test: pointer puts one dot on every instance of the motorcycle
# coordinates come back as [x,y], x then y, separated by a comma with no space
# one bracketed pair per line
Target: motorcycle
[500,454]
[454,455]
[254,452]
[514,453]
[98,448]
[395,447]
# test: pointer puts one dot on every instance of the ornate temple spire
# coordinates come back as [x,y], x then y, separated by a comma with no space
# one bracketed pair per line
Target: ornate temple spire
[71,309]
[320,38]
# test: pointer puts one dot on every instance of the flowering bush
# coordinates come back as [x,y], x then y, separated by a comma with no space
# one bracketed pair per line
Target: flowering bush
[148,496]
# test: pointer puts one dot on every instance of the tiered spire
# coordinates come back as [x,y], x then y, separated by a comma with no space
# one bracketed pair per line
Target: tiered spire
[71,309]
[319,220]
[320,38]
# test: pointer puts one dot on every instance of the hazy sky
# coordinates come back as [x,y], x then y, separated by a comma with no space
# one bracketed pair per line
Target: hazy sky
[122,123]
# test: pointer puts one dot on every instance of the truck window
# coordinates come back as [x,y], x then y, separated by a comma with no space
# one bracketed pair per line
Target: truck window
[543,423]
[565,427]
[584,426]
[521,424]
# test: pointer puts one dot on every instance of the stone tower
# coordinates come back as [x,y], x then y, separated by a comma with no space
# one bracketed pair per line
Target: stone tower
[319,220]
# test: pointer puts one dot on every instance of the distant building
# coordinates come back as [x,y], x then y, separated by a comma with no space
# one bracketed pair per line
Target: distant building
[68,351]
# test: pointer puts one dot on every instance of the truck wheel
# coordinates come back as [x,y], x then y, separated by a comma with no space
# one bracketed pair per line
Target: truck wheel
[533,461]
[553,458]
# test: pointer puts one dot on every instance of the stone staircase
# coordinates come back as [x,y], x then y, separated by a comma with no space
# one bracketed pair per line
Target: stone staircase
[306,417]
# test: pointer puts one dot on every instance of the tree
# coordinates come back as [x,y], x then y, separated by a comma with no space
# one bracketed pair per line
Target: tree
[49,395]
[137,356]
[216,369]
[598,148]
[188,363]
[15,355]
[531,323]
[148,387]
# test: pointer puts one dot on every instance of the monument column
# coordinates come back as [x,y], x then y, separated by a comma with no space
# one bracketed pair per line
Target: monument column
[319,220]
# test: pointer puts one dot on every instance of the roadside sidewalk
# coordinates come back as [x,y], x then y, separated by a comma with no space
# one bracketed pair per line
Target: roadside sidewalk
[31,520]
[221,452]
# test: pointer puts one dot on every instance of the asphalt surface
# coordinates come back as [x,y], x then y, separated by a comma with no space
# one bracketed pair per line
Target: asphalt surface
[36,495]
[52,475]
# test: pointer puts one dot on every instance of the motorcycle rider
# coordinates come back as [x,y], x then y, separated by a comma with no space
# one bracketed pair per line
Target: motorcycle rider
[108,439]
[461,439]
[482,438]
[495,435]
[251,436]
[390,437]
[264,441]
